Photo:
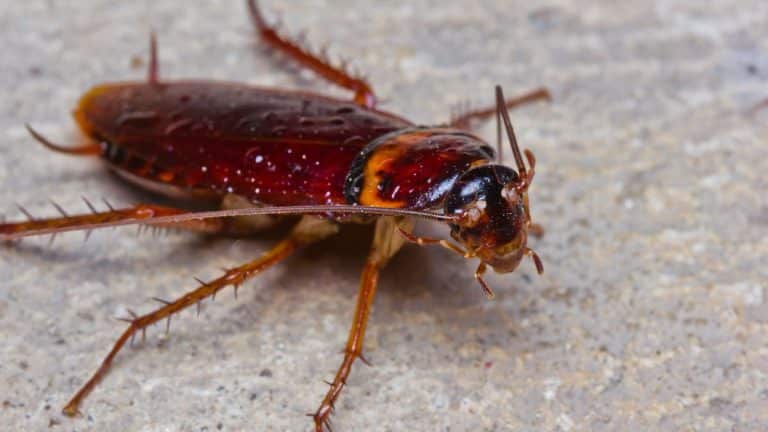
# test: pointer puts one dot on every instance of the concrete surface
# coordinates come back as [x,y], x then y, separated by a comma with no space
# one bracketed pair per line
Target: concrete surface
[652,314]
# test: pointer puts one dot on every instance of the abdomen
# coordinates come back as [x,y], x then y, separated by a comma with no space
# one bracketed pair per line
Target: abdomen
[269,146]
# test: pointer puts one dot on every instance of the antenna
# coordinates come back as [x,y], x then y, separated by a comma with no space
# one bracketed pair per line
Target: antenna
[499,148]
[501,110]
[152,71]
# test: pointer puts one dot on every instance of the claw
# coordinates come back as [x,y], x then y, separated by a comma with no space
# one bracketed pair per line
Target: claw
[71,411]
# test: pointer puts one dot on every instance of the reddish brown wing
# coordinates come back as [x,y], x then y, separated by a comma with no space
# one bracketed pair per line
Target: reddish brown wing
[275,147]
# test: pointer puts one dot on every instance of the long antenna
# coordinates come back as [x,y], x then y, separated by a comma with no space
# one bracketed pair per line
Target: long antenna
[499,148]
[153,74]
[117,217]
[502,109]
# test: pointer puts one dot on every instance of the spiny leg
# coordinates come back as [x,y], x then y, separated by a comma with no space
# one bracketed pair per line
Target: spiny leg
[464,119]
[83,222]
[308,230]
[338,75]
[386,243]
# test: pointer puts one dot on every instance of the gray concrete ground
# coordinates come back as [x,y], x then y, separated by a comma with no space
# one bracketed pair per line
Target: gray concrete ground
[652,314]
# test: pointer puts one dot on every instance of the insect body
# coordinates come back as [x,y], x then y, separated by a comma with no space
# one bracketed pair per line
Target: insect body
[271,147]
[261,153]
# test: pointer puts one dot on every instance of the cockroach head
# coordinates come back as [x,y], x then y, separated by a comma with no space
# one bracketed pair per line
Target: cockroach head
[490,204]
[490,207]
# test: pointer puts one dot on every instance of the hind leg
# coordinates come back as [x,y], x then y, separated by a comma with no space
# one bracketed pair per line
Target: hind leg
[317,63]
[307,231]
[386,243]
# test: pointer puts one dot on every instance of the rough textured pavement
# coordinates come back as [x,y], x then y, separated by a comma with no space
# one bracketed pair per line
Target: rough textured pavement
[652,314]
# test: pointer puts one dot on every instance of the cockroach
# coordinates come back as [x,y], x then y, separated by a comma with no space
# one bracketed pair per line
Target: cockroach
[259,155]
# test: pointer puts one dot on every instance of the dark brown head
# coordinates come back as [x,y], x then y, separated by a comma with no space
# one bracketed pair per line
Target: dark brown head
[490,204]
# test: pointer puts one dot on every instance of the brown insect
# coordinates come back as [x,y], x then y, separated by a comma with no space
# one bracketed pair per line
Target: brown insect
[262,154]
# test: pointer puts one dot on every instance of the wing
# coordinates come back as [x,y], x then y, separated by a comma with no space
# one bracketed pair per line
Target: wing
[275,147]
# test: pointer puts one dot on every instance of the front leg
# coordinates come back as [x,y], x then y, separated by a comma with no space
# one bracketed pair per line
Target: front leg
[386,242]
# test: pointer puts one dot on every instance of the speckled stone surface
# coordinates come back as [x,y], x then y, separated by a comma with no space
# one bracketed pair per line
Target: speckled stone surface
[652,185]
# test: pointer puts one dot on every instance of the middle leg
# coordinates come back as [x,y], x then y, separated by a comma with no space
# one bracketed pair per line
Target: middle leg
[386,243]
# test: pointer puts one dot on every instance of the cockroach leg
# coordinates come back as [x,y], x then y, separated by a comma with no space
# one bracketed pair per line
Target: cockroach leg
[89,149]
[385,244]
[308,230]
[464,120]
[153,75]
[422,241]
[85,222]
[479,276]
[536,260]
[317,63]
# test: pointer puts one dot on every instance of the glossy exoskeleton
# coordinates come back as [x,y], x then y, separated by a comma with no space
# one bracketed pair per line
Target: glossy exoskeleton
[259,154]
